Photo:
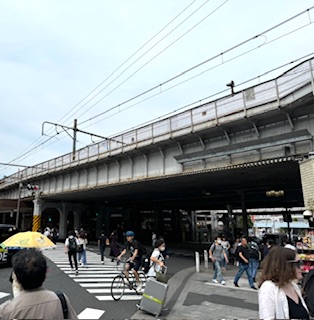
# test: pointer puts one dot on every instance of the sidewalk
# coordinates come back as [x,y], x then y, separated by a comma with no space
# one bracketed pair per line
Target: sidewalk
[193,295]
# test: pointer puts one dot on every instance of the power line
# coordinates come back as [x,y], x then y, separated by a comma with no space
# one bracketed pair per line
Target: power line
[230,49]
[40,138]
[220,55]
[138,50]
[119,85]
[201,100]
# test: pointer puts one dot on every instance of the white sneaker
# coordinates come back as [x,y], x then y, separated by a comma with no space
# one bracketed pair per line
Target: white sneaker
[139,286]
[102,262]
[215,281]
[223,282]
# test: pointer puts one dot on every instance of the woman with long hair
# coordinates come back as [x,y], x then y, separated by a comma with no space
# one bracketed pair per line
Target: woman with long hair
[279,296]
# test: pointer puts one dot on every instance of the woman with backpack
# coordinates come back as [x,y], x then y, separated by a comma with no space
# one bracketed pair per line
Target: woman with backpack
[157,259]
[279,297]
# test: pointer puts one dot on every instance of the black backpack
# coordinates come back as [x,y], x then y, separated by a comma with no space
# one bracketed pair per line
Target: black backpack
[142,250]
[236,253]
[146,262]
[308,291]
[253,250]
[72,244]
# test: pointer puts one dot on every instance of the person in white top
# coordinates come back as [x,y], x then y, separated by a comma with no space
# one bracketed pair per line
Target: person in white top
[70,248]
[279,296]
[81,249]
[157,259]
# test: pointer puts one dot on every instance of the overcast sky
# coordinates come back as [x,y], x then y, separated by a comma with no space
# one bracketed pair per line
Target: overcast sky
[54,53]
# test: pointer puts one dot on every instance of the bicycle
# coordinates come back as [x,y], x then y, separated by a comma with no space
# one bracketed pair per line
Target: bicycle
[121,282]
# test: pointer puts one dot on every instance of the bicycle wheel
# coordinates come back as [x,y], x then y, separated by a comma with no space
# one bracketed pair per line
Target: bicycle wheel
[142,278]
[117,287]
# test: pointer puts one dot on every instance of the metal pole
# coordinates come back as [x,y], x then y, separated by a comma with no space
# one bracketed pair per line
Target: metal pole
[206,259]
[74,138]
[197,261]
[18,203]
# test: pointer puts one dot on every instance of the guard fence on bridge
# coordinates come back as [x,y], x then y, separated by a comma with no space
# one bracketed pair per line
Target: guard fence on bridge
[209,114]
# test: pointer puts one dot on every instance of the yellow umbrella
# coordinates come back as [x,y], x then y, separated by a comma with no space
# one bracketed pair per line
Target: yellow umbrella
[28,239]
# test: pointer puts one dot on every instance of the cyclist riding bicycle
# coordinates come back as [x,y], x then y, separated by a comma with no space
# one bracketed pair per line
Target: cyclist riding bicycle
[135,260]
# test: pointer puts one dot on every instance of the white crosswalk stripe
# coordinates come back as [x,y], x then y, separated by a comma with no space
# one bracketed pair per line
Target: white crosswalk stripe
[96,278]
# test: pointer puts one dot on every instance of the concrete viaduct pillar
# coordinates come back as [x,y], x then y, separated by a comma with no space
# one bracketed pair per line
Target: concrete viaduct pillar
[307,180]
[38,204]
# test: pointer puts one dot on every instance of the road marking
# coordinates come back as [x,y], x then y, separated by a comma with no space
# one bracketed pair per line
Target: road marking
[96,278]
[107,290]
[109,298]
[4,294]
[90,313]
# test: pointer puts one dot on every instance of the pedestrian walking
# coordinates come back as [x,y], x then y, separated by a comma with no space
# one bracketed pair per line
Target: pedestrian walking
[269,244]
[156,258]
[255,257]
[114,245]
[226,246]
[33,300]
[279,296]
[217,254]
[82,242]
[243,257]
[70,248]
[102,242]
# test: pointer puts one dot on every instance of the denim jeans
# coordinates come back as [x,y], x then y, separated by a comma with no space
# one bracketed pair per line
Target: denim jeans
[224,262]
[217,272]
[244,267]
[82,255]
[254,263]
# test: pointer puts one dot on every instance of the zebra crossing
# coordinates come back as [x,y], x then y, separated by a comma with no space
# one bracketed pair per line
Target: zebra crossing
[96,278]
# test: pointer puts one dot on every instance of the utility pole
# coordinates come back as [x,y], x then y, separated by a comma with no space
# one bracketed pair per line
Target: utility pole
[74,138]
[75,131]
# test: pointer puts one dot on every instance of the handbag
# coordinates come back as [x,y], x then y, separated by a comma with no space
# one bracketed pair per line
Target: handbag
[161,276]
[80,248]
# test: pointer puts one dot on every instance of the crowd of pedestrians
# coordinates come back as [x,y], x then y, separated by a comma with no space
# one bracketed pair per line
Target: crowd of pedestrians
[274,270]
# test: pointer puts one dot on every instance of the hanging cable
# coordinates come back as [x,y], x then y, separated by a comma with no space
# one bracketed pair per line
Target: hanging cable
[206,61]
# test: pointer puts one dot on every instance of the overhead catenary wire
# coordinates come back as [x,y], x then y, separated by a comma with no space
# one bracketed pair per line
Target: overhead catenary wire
[206,61]
[144,65]
[169,80]
[132,55]
[120,66]
[203,100]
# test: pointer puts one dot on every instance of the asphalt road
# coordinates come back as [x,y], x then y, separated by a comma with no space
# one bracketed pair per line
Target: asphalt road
[80,298]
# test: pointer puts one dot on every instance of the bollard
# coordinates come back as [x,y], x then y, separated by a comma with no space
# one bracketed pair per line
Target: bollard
[206,259]
[197,261]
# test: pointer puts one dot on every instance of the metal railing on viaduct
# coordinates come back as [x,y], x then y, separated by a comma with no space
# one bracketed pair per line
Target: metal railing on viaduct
[247,104]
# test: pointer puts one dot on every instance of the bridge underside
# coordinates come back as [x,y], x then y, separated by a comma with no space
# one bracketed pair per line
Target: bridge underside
[204,190]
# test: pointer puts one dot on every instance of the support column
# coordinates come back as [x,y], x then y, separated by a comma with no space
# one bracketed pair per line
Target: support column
[228,221]
[77,219]
[38,203]
[63,224]
[307,181]
[244,215]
